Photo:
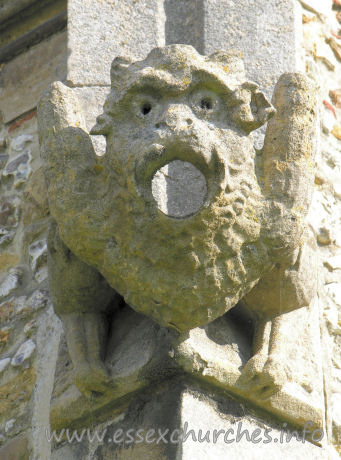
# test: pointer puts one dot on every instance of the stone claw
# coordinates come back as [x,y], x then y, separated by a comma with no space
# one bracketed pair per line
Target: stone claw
[264,376]
[92,378]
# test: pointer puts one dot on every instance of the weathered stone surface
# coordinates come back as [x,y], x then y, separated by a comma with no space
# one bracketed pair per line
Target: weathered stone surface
[205,413]
[9,211]
[182,272]
[337,191]
[18,165]
[9,425]
[15,394]
[320,8]
[8,260]
[336,131]
[36,202]
[9,8]
[38,259]
[141,355]
[336,47]
[138,356]
[47,339]
[327,210]
[267,34]
[25,77]
[5,334]
[3,158]
[174,148]
[16,449]
[334,263]
[30,328]
[24,353]
[91,100]
[189,417]
[179,189]
[335,96]
[9,218]
[185,22]
[11,282]
[110,28]
[22,306]
[323,236]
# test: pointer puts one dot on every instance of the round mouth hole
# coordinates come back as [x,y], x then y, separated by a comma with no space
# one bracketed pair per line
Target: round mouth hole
[179,189]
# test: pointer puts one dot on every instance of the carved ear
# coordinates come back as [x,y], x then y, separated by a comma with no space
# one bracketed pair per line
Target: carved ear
[118,72]
[119,69]
[253,109]
[102,126]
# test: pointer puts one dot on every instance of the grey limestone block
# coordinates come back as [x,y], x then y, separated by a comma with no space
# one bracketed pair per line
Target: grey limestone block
[182,420]
[110,28]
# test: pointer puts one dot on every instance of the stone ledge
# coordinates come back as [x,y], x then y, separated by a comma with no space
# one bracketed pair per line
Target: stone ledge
[145,355]
[181,405]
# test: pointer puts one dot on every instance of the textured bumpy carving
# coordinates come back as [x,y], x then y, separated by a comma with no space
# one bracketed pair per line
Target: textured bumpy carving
[248,240]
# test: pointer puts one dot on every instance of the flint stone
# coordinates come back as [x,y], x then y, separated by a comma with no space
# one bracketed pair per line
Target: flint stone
[9,211]
[38,258]
[11,282]
[24,352]
[6,236]
[3,160]
[19,144]
[19,167]
[15,163]
[9,425]
[37,300]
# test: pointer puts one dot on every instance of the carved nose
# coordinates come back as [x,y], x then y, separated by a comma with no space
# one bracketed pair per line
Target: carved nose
[176,117]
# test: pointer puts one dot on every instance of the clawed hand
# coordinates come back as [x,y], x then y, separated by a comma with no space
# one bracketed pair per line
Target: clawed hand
[264,375]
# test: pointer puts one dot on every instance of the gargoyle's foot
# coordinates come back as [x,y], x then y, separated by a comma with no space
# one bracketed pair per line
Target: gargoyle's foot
[92,379]
[264,376]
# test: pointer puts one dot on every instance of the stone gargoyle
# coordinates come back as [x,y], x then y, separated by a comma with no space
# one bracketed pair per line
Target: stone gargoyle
[246,242]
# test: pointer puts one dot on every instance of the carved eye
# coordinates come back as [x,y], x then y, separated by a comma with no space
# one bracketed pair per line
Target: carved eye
[205,102]
[146,108]
[144,105]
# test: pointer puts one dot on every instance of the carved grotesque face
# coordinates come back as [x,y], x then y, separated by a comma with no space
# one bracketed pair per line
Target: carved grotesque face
[180,111]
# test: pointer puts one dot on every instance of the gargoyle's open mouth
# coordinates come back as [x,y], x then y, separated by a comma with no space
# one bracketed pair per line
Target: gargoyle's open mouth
[178,179]
[179,189]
